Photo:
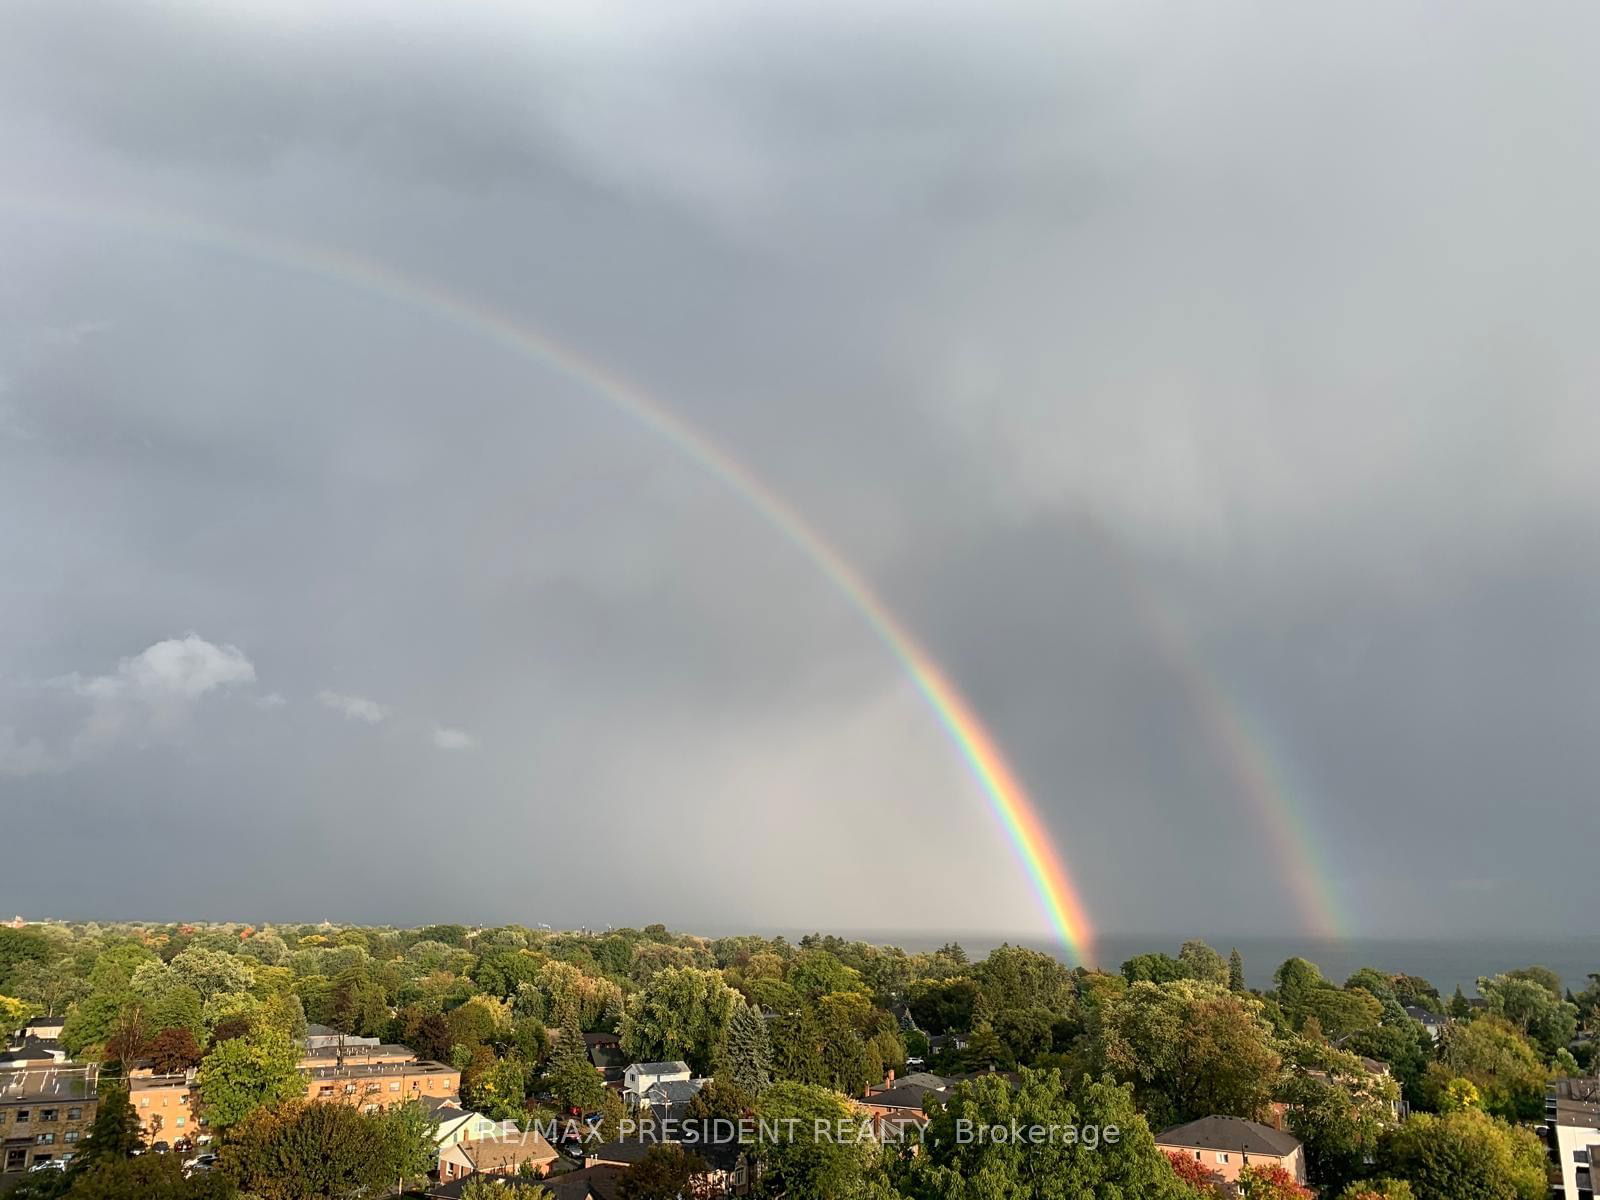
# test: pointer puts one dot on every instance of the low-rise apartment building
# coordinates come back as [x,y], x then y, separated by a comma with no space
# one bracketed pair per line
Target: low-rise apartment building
[1572,1116]
[381,1084]
[165,1106]
[44,1113]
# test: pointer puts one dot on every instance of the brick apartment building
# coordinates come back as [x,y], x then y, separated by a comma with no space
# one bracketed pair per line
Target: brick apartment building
[44,1113]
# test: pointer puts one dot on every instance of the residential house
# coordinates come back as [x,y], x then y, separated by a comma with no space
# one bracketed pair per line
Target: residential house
[33,1052]
[1226,1145]
[896,1106]
[502,1155]
[669,1101]
[45,1113]
[606,1053]
[1572,1117]
[591,1183]
[1431,1021]
[48,1028]
[639,1078]
[456,1124]
[617,1154]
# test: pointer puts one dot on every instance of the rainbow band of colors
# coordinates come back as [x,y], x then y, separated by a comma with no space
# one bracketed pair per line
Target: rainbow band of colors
[1004,792]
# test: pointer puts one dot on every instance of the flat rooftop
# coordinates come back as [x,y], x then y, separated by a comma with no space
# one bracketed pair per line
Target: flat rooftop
[22,1084]
[364,1070]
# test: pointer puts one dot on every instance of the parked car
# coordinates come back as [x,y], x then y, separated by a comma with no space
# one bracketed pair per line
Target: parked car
[49,1164]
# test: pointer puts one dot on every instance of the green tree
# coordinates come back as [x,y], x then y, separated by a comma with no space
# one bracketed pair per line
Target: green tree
[1526,1001]
[212,972]
[747,1051]
[800,1163]
[1236,971]
[484,1187]
[308,1151]
[1013,977]
[1200,961]
[1152,968]
[682,1013]
[664,1173]
[357,1004]
[1339,1012]
[114,1133]
[1465,1156]
[956,1165]
[1190,1049]
[1295,980]
[1494,1055]
[1340,1115]
[149,1177]
[570,1075]
[1378,1189]
[244,1073]
[18,946]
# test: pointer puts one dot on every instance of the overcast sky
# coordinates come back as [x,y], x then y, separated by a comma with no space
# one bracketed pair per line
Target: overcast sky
[1119,346]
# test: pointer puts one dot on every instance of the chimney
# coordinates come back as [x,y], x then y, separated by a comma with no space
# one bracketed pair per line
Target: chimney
[889,1078]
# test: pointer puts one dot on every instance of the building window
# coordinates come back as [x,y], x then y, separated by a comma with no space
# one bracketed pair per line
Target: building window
[72,1135]
[180,1122]
[49,1114]
[1222,1158]
[45,1139]
[145,1103]
[395,1086]
[74,1114]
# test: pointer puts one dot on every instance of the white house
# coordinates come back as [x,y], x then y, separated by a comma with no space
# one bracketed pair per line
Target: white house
[639,1078]
[457,1124]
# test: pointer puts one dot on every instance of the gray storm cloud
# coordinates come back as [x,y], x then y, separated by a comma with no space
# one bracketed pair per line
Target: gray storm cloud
[1279,320]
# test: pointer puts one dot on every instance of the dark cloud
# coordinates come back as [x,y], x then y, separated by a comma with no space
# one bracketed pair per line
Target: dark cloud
[1270,326]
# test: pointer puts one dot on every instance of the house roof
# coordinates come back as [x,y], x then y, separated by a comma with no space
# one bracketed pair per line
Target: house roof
[621,1153]
[1417,1013]
[925,1078]
[905,1095]
[602,1039]
[675,1091]
[1230,1133]
[661,1068]
[493,1154]
[599,1183]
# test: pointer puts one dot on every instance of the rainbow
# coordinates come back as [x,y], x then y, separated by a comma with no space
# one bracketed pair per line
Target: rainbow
[1242,746]
[1006,796]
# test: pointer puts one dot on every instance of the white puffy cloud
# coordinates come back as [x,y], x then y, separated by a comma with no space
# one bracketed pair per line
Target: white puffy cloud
[177,668]
[353,708]
[453,739]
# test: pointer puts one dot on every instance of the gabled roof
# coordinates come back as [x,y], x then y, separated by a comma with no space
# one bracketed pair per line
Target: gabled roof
[601,1182]
[1417,1013]
[1230,1133]
[620,1153]
[905,1095]
[660,1068]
